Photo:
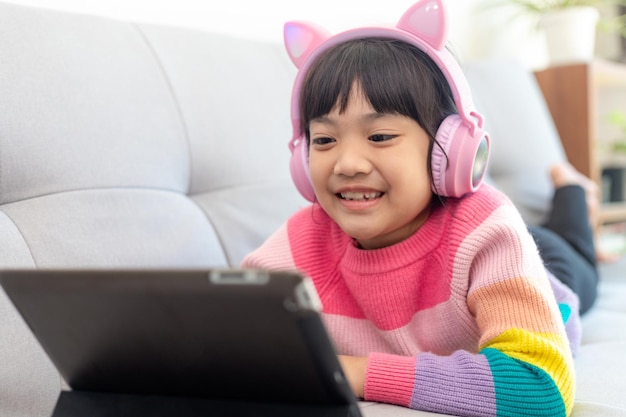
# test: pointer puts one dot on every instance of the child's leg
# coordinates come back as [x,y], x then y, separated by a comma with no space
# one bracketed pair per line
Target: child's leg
[566,241]
[563,174]
[569,220]
[566,264]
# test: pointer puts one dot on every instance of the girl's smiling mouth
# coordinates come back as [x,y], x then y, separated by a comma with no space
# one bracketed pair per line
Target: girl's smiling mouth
[355,201]
[359,196]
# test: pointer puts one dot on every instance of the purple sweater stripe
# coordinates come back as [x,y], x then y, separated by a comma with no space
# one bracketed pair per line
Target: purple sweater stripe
[459,384]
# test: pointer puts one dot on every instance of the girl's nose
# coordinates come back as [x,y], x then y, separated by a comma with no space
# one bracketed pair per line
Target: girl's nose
[352,160]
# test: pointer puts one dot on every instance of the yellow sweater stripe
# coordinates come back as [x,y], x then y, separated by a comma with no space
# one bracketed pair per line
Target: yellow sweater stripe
[545,351]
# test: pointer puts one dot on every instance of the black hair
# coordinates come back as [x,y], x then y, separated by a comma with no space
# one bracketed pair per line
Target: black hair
[395,77]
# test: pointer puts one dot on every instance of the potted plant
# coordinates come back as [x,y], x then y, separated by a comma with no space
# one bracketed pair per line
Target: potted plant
[617,146]
[569,25]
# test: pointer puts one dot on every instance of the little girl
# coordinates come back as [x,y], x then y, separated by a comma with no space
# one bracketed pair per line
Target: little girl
[432,288]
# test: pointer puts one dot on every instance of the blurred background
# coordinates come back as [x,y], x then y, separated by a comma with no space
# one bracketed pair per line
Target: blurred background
[477,30]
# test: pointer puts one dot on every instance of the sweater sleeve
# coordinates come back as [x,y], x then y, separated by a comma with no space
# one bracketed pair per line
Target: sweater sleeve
[523,365]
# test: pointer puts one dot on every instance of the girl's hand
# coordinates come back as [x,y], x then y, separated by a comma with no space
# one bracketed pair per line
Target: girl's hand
[354,368]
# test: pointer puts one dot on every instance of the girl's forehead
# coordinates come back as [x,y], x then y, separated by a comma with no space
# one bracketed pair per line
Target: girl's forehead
[356,95]
[356,107]
[357,92]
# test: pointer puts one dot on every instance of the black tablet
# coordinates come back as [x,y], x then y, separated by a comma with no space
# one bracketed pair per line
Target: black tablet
[228,335]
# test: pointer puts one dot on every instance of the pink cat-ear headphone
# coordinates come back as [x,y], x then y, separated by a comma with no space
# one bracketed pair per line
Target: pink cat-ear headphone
[461,135]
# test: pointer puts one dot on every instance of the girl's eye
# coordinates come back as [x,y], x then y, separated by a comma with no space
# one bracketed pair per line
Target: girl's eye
[321,141]
[381,138]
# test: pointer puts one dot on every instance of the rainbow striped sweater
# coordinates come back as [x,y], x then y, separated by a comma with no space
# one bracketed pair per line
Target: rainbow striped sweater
[461,318]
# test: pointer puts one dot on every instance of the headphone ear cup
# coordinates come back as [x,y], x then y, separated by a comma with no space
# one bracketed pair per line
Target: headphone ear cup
[299,168]
[459,162]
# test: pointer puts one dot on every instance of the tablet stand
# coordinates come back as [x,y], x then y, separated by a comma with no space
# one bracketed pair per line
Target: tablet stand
[96,404]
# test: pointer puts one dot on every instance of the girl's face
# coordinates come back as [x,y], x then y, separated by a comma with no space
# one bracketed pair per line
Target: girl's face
[369,172]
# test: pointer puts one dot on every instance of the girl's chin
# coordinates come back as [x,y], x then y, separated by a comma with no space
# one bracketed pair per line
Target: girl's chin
[374,239]
[366,241]
[357,233]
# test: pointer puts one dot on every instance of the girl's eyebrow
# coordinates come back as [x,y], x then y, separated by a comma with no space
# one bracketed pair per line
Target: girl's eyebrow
[323,120]
[368,117]
[374,116]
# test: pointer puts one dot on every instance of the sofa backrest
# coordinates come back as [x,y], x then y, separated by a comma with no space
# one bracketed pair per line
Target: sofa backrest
[138,145]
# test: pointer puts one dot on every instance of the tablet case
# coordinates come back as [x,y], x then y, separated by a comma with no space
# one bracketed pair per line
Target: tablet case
[204,340]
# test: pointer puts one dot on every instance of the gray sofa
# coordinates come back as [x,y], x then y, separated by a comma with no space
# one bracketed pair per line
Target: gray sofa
[134,145]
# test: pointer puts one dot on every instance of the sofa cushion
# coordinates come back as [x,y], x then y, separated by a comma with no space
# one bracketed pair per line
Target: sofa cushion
[85,106]
[115,227]
[233,95]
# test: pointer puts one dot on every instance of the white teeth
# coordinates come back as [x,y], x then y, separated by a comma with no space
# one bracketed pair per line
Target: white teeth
[360,196]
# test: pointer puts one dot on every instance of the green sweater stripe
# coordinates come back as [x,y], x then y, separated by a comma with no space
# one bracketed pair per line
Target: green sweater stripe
[523,389]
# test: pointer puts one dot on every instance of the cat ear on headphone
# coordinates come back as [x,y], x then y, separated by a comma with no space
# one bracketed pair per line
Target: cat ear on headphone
[301,38]
[428,20]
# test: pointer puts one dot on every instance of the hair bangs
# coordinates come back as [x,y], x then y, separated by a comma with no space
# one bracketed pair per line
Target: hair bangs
[395,77]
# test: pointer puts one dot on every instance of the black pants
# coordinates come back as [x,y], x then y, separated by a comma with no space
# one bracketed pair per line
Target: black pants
[566,244]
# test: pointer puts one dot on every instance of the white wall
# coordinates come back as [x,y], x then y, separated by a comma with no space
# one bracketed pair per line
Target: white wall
[250,17]
[474,33]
